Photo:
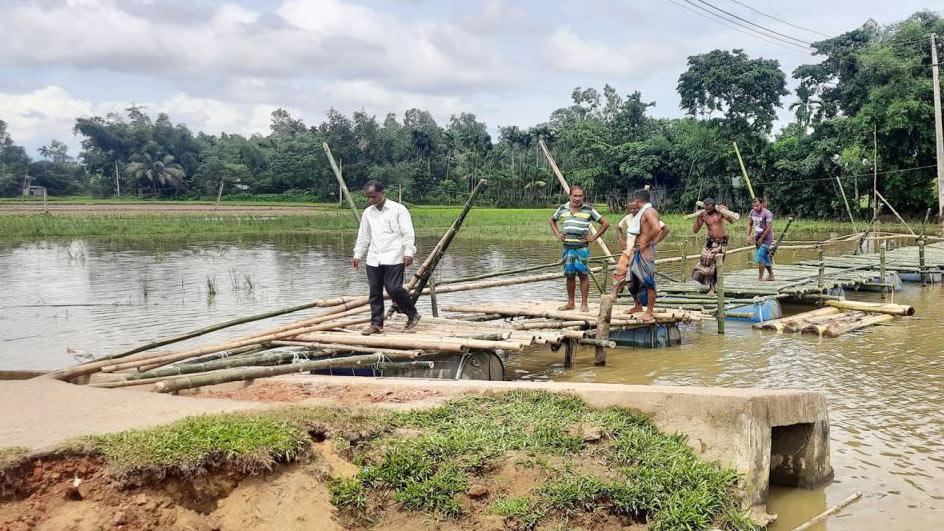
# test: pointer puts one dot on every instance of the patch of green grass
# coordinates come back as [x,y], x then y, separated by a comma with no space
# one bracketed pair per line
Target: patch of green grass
[651,476]
[523,510]
[250,442]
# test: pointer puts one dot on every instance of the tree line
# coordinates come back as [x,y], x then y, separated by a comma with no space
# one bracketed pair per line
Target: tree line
[867,104]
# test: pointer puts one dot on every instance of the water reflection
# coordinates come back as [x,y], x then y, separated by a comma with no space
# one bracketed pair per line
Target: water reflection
[66,300]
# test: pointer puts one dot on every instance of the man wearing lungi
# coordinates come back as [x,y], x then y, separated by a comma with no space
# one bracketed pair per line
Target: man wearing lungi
[705,271]
[571,224]
[642,267]
[760,230]
[627,239]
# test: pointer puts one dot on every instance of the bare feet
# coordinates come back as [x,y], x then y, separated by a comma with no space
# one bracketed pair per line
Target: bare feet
[647,317]
[568,306]
[771,278]
[584,308]
[760,279]
[635,309]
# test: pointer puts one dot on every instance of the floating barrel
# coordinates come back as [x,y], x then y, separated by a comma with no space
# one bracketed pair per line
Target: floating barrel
[892,280]
[652,336]
[932,277]
[757,312]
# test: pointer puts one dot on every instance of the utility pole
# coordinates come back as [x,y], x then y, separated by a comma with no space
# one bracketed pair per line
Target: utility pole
[117,183]
[939,135]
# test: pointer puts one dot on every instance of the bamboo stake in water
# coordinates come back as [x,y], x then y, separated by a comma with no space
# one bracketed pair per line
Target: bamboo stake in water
[881,261]
[719,289]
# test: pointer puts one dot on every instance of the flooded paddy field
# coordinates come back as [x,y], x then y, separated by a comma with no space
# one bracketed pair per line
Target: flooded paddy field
[67,300]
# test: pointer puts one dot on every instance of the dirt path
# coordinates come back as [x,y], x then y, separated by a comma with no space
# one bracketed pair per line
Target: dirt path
[44,413]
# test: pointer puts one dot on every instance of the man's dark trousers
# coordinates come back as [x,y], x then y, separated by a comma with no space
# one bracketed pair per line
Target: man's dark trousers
[389,277]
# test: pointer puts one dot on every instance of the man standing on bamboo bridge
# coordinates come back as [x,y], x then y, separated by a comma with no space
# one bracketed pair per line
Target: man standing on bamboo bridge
[760,230]
[705,271]
[574,233]
[386,237]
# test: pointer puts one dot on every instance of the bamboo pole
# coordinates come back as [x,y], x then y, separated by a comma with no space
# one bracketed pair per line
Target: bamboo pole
[179,356]
[921,262]
[873,307]
[774,323]
[729,215]
[881,262]
[418,283]
[570,352]
[191,368]
[842,328]
[252,373]
[783,233]
[499,273]
[344,190]
[566,187]
[897,215]
[744,171]
[846,201]
[719,290]
[337,347]
[434,304]
[603,327]
[451,344]
[832,510]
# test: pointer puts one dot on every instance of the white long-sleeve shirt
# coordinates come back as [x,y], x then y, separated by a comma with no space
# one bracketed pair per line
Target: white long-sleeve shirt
[386,235]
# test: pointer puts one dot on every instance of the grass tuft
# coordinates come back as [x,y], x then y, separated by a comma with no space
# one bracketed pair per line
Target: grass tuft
[249,442]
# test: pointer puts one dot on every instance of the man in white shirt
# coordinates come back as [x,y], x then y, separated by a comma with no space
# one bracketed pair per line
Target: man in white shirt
[386,237]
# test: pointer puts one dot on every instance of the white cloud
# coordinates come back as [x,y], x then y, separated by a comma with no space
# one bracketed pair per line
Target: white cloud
[302,38]
[571,53]
[48,113]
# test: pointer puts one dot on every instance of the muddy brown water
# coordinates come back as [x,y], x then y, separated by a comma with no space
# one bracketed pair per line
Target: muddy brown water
[64,301]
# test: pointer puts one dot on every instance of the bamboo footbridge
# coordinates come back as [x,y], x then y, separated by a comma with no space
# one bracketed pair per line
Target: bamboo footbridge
[331,338]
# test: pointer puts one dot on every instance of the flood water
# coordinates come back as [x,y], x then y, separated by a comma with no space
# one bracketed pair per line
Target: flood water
[64,301]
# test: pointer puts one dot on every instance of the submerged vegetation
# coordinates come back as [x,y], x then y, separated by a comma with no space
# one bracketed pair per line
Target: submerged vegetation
[586,464]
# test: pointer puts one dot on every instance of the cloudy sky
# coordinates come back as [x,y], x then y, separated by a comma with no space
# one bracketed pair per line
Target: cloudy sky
[224,66]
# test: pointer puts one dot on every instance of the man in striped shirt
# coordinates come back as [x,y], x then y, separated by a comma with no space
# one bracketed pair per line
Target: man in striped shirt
[571,225]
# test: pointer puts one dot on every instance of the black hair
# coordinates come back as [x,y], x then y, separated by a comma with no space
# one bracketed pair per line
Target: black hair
[375,184]
[576,187]
[708,201]
[642,195]
[758,200]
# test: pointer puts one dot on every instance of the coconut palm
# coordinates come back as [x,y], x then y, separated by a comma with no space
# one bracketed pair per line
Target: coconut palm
[158,170]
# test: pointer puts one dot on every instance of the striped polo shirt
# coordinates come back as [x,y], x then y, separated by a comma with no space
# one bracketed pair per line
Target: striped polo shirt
[575,226]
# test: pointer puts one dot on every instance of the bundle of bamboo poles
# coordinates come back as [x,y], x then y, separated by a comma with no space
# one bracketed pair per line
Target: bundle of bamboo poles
[838,318]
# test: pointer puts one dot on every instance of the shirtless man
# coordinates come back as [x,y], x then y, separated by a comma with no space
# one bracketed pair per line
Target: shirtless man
[642,268]
[627,240]
[715,245]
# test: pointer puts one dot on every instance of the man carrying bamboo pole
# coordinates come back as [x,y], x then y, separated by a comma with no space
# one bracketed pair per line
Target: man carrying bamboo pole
[705,271]
[386,237]
[760,230]
[574,233]
[647,227]
[628,242]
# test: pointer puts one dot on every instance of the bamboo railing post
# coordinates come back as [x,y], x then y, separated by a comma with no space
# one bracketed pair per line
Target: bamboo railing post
[719,290]
[684,256]
[603,327]
[881,262]
[570,351]
[822,270]
[921,243]
[434,305]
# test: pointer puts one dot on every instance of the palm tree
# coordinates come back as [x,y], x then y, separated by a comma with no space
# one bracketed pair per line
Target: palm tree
[158,170]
